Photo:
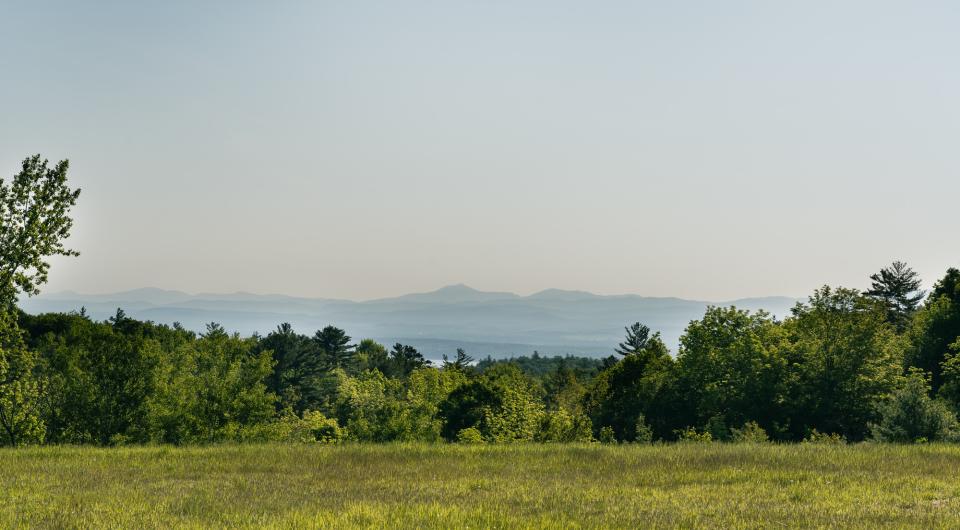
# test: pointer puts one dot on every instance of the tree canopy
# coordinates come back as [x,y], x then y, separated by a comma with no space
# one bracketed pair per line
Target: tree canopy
[34,224]
[844,365]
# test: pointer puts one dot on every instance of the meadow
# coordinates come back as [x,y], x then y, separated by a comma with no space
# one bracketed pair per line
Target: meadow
[484,486]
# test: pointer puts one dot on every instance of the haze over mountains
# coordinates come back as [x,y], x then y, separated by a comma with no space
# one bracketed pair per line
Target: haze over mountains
[484,323]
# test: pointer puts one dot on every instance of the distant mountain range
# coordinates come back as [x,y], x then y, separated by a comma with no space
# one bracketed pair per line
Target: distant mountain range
[484,323]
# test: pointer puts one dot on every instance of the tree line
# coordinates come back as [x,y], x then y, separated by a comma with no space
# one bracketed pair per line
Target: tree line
[880,364]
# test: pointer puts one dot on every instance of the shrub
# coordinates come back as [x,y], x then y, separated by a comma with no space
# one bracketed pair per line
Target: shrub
[561,426]
[607,436]
[320,428]
[817,437]
[643,434]
[313,427]
[470,435]
[910,415]
[751,432]
[717,428]
[691,435]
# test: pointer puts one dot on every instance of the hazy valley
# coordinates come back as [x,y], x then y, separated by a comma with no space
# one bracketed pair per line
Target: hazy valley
[485,323]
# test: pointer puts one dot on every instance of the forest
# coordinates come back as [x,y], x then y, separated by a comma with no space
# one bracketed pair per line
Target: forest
[846,365]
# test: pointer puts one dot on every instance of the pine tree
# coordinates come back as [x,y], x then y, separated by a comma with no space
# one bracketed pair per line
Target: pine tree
[335,348]
[636,341]
[898,288]
[461,362]
[405,359]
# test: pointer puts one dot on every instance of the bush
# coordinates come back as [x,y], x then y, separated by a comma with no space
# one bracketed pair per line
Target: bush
[470,435]
[643,434]
[910,415]
[751,432]
[607,436]
[717,428]
[313,427]
[817,437]
[691,435]
[318,428]
[561,426]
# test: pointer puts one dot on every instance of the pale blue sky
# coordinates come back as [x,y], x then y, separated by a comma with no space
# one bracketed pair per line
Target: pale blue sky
[358,149]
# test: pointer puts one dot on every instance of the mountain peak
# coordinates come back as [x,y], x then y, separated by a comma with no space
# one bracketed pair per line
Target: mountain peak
[561,294]
[456,288]
[451,294]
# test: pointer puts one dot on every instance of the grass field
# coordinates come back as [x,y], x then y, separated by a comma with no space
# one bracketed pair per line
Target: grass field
[449,486]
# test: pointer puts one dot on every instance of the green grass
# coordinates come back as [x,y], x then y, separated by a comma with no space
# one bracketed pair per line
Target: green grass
[449,486]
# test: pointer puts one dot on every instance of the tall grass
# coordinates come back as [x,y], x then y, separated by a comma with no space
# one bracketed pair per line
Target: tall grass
[451,486]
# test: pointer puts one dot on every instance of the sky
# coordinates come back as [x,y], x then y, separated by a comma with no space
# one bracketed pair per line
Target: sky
[699,149]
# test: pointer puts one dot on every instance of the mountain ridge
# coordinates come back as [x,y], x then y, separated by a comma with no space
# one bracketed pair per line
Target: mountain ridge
[452,288]
[501,324]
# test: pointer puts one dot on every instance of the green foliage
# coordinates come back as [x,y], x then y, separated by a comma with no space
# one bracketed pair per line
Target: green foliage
[607,435]
[910,415]
[751,432]
[935,328]
[34,222]
[834,366]
[502,404]
[335,349]
[374,407]
[404,360]
[636,340]
[298,367]
[845,360]
[371,355]
[312,427]
[643,434]
[516,418]
[950,390]
[21,390]
[563,390]
[822,438]
[321,428]
[692,435]
[629,389]
[465,407]
[717,428]
[461,362]
[897,287]
[732,368]
[211,390]
[427,388]
[99,375]
[563,427]
[537,366]
[368,405]
[470,435]
[401,361]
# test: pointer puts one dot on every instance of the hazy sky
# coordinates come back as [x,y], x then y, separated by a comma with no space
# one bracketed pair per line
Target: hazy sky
[356,149]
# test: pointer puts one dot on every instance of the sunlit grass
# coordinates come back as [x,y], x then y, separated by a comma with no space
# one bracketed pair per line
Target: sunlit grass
[449,486]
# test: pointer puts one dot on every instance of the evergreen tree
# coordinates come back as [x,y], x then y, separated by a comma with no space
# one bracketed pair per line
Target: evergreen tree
[296,366]
[461,362]
[405,359]
[371,355]
[898,287]
[636,341]
[335,348]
